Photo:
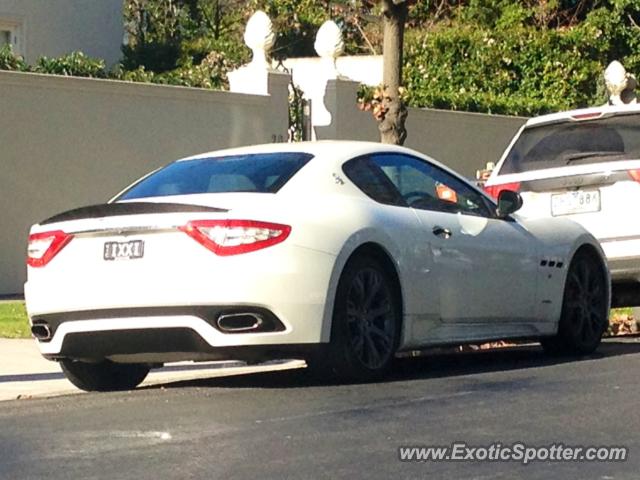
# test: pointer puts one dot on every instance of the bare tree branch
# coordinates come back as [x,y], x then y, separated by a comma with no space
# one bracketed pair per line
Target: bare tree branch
[356,22]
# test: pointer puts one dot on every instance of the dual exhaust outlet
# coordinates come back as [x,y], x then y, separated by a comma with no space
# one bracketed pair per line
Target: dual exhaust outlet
[41,331]
[227,323]
[239,322]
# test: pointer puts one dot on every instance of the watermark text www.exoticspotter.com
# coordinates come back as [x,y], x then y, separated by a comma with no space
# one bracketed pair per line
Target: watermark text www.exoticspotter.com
[516,452]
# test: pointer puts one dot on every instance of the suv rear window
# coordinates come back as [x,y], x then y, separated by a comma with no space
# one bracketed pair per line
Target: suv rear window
[575,143]
[261,173]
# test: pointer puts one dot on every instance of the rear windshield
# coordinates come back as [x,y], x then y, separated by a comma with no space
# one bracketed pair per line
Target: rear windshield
[261,173]
[575,143]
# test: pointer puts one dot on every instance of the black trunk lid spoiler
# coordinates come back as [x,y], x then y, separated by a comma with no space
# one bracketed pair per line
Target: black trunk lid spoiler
[125,209]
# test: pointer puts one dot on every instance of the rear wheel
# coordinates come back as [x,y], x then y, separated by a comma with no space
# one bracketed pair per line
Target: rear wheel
[366,324]
[104,376]
[585,312]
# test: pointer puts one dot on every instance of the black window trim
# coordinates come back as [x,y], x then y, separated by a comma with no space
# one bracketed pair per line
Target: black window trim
[399,201]
[489,204]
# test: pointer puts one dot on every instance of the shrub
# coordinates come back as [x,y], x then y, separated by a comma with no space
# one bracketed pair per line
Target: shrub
[512,65]
[211,73]
[76,64]
[11,61]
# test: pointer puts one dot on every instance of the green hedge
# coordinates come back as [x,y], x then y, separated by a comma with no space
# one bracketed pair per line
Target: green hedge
[512,65]
[501,56]
[520,72]
[210,73]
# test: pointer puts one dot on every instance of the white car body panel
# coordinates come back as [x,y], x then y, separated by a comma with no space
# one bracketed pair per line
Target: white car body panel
[485,284]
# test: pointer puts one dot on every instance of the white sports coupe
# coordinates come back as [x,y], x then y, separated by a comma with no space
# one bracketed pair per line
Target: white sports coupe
[341,253]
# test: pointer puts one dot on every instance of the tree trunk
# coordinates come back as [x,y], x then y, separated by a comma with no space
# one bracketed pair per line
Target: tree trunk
[392,126]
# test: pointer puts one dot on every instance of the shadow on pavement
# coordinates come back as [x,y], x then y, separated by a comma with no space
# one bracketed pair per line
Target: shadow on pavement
[430,365]
[31,377]
[34,377]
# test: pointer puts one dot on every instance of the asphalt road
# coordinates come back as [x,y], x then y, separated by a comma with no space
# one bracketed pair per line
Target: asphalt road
[281,425]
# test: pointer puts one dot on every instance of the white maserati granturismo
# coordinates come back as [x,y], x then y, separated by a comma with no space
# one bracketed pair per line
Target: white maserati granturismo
[341,253]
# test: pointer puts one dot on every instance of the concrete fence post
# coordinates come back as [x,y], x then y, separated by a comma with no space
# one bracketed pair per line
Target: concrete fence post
[340,98]
[258,78]
[334,97]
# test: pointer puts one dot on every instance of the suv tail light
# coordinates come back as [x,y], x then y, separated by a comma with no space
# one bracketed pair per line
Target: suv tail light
[42,247]
[233,237]
[494,190]
[587,116]
[635,174]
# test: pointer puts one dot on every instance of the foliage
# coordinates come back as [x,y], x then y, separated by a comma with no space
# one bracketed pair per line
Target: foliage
[10,61]
[165,33]
[13,320]
[509,61]
[501,56]
[622,322]
[76,64]
[155,30]
[211,72]
[296,114]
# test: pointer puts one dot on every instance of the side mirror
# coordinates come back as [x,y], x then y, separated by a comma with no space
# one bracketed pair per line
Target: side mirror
[508,203]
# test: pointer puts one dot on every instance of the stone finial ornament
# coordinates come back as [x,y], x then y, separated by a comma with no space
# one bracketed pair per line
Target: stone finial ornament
[329,45]
[620,84]
[260,38]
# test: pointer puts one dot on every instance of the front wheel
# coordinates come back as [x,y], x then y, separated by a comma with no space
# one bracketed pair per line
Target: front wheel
[104,376]
[366,324]
[585,309]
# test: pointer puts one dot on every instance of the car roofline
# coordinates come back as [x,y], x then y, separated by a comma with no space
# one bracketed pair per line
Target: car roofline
[570,115]
[315,148]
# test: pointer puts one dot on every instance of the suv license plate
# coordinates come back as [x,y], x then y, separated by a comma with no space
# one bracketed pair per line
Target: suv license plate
[123,250]
[579,201]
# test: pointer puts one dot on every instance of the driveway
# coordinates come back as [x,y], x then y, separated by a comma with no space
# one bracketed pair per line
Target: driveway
[282,425]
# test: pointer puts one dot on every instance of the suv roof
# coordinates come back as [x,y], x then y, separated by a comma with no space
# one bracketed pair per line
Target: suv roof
[582,114]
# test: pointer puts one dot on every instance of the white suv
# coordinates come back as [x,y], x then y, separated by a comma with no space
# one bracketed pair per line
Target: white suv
[583,165]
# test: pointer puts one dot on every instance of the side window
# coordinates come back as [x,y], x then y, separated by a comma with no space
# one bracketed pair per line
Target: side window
[426,187]
[368,178]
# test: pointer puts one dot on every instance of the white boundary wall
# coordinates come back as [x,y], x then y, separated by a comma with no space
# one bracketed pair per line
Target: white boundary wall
[69,142]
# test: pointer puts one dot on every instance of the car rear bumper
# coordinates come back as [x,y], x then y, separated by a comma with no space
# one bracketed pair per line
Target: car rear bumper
[287,286]
[624,269]
[165,345]
[162,334]
[623,258]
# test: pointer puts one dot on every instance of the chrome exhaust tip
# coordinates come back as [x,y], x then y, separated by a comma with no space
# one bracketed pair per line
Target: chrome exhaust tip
[41,331]
[239,322]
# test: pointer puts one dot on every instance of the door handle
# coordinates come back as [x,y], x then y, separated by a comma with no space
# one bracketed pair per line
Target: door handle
[441,232]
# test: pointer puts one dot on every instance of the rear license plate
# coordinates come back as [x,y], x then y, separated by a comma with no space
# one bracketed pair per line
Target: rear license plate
[123,250]
[579,201]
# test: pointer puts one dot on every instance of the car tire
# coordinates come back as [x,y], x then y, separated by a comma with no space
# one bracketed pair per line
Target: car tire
[365,328]
[104,376]
[585,310]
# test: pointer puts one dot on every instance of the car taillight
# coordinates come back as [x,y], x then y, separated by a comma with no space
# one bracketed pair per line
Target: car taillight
[587,116]
[42,247]
[233,237]
[494,190]
[635,174]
